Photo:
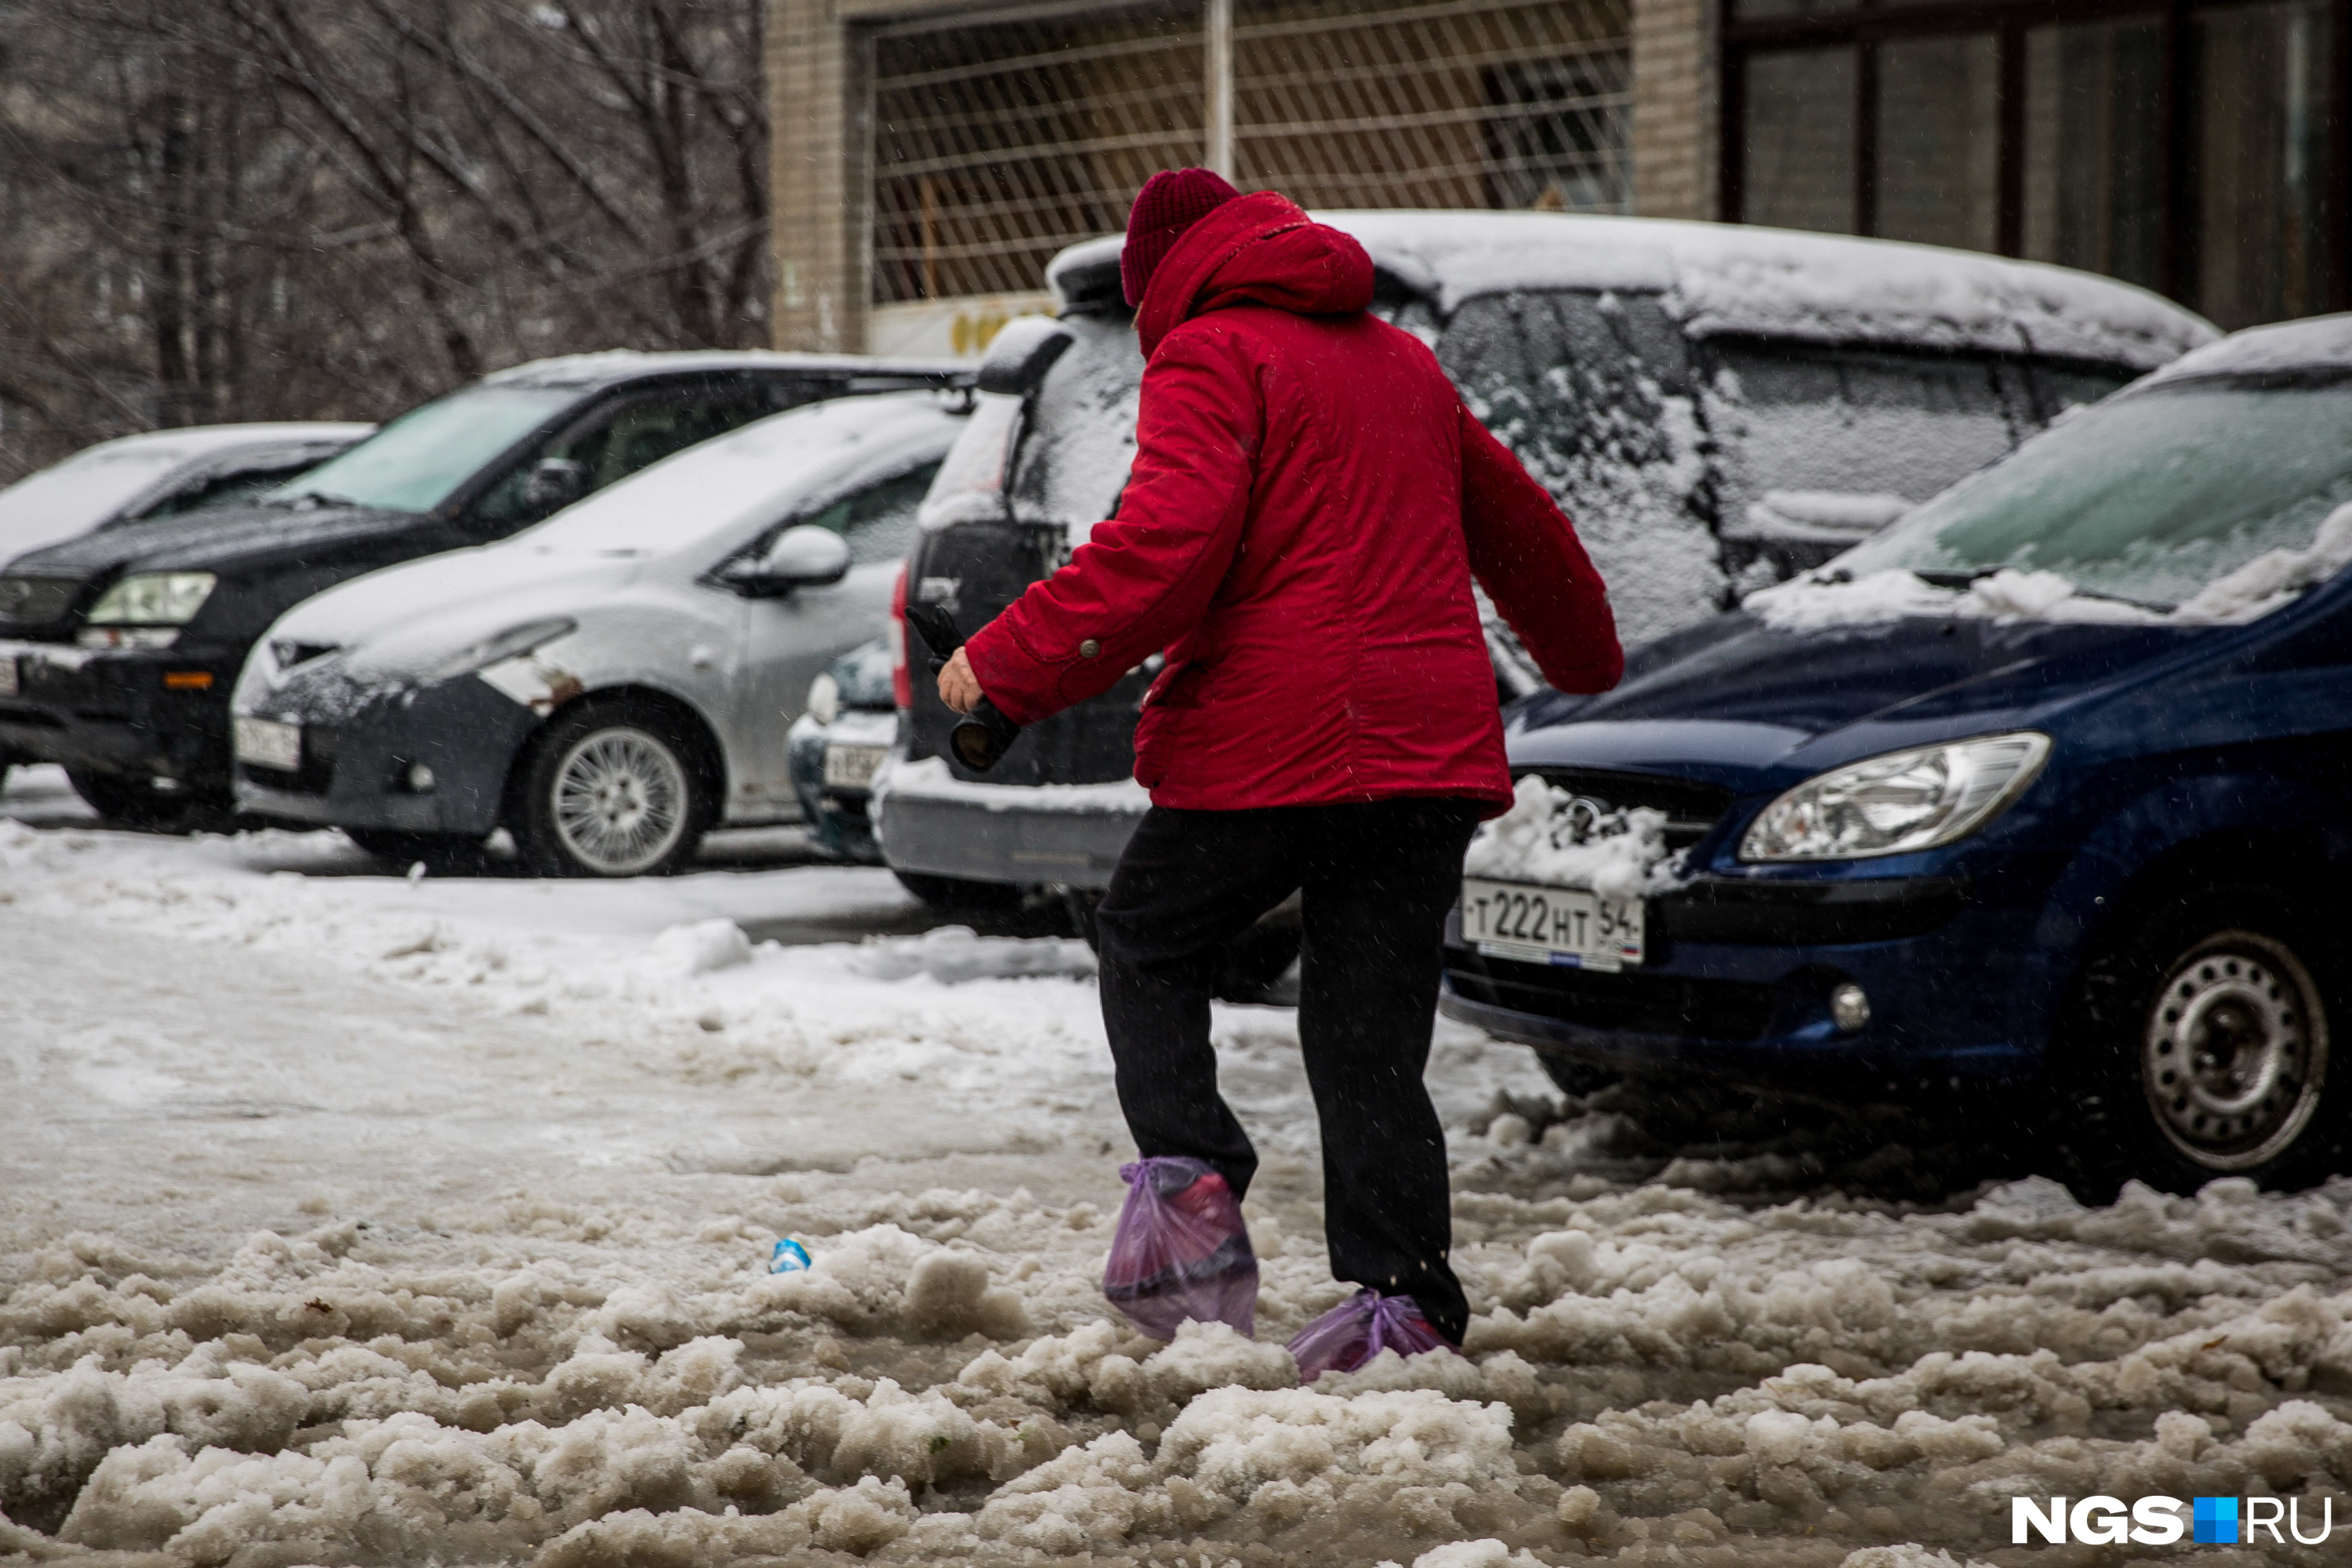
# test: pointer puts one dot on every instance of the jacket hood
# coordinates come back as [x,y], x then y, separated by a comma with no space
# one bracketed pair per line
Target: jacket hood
[1734,695]
[1261,249]
[209,541]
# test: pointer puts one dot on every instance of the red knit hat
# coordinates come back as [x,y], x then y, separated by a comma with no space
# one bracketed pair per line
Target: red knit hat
[1170,201]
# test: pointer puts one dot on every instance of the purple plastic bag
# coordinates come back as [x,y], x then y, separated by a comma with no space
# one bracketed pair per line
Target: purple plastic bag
[1180,1250]
[1359,1329]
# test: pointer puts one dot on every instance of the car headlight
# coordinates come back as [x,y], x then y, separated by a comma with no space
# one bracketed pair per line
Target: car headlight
[825,698]
[1904,801]
[153,599]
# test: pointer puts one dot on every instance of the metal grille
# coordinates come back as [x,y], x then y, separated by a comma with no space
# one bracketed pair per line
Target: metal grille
[998,142]
[996,145]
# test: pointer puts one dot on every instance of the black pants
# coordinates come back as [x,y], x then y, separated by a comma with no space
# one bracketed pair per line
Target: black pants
[1376,880]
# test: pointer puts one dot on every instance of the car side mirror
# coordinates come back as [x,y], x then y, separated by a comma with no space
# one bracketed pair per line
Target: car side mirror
[802,556]
[555,483]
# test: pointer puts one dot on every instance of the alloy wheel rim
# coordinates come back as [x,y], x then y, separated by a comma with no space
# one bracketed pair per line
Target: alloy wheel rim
[2234,1057]
[620,799]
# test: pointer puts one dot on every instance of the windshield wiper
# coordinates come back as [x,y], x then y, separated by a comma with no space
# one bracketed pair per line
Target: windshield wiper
[1967,579]
[323,498]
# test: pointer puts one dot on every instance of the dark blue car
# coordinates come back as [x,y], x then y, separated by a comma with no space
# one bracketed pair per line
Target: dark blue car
[2046,790]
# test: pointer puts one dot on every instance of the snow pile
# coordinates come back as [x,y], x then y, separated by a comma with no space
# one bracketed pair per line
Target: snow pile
[1819,601]
[1549,836]
[699,948]
[928,778]
[1737,280]
[2273,579]
[1652,1372]
[1829,517]
[954,954]
[1824,599]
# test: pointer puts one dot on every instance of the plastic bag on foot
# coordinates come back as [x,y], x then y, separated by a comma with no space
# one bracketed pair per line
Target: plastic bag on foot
[1180,1250]
[1359,1329]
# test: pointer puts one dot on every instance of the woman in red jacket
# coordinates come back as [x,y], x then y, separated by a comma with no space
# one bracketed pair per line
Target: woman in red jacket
[1309,503]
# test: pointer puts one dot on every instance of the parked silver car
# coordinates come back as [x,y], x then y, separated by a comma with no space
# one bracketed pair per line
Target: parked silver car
[161,473]
[612,683]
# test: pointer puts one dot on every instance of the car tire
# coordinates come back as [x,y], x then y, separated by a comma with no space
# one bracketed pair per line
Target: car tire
[442,853]
[957,893]
[611,789]
[121,801]
[2205,1041]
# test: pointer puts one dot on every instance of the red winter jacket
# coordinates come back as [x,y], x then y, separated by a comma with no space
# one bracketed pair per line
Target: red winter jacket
[1308,503]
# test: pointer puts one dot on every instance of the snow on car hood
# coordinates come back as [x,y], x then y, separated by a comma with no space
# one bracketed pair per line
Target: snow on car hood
[1722,279]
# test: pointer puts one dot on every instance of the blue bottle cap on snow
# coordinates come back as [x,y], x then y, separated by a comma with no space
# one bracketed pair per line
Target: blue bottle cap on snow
[789,1258]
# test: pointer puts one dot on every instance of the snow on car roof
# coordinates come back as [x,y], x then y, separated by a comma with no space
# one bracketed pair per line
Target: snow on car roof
[806,456]
[1736,278]
[101,482]
[610,365]
[200,440]
[2316,342]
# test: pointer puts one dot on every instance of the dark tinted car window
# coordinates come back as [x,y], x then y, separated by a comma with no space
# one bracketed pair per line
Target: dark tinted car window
[878,521]
[2061,387]
[227,490]
[617,441]
[1592,391]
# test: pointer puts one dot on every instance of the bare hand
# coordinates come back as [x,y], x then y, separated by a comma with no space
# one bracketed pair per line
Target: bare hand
[959,687]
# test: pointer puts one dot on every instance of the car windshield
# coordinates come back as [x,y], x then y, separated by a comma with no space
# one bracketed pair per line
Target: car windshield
[414,463]
[2148,498]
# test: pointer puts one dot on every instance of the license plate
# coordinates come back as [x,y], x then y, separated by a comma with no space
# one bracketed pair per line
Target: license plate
[852,767]
[1561,926]
[8,675]
[266,744]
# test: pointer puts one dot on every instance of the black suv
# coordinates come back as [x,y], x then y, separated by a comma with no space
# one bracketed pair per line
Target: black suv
[117,649]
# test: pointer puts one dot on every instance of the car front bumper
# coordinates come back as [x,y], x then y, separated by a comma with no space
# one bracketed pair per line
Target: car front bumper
[1737,986]
[839,819]
[134,712]
[1068,836]
[355,770]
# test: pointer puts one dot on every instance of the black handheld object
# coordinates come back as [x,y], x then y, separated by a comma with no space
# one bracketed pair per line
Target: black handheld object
[982,737]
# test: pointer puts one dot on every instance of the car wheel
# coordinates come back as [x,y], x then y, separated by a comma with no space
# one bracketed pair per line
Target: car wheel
[2201,1049]
[956,893]
[610,790]
[444,853]
[121,801]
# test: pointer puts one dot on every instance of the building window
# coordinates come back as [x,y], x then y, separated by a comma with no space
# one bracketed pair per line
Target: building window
[2094,149]
[1798,139]
[2197,150]
[2257,156]
[1936,108]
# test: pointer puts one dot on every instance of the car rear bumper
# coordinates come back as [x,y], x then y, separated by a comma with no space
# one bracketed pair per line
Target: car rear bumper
[356,772]
[137,713]
[1737,987]
[1067,836]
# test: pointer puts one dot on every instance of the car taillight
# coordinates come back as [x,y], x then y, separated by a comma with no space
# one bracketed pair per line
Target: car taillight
[902,679]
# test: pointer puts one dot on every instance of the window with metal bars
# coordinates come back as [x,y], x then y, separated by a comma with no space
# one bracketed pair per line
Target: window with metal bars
[998,142]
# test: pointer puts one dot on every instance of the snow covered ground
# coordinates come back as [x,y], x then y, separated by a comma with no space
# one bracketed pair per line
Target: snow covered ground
[345,1218]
